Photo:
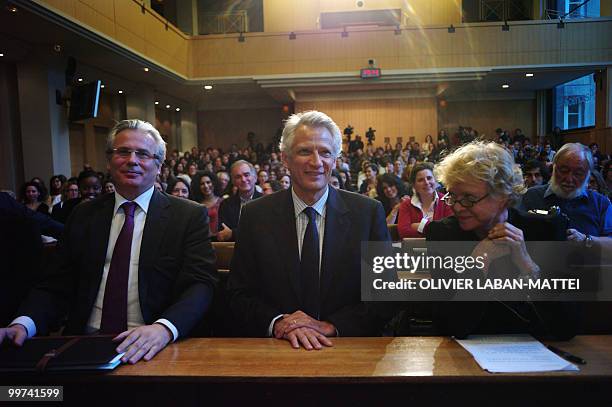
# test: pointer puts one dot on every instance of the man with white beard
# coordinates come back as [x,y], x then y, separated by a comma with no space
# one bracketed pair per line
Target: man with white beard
[589,213]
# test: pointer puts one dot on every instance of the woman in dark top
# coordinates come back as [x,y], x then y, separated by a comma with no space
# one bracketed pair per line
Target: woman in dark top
[32,196]
[483,184]
[390,190]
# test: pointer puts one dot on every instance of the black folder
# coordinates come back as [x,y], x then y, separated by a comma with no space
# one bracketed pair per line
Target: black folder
[60,353]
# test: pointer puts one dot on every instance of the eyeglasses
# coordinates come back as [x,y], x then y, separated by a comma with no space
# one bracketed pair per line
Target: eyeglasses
[142,155]
[450,200]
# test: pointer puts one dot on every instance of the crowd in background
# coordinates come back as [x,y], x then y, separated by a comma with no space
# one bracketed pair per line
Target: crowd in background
[401,176]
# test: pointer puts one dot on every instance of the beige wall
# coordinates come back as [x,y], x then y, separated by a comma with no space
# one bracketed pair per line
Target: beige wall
[474,46]
[302,15]
[390,118]
[123,22]
[222,128]
[487,115]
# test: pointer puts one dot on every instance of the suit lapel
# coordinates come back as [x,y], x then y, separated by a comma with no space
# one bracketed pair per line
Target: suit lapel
[286,239]
[155,227]
[99,233]
[337,225]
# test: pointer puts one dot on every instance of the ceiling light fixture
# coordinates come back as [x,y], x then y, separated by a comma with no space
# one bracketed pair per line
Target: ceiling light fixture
[12,9]
[145,69]
[178,109]
[207,87]
[505,86]
[79,79]
[120,91]
[529,75]
[167,106]
[1,54]
[157,102]
[102,86]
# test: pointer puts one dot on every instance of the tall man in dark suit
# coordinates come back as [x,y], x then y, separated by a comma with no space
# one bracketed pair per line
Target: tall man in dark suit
[295,272]
[243,178]
[137,263]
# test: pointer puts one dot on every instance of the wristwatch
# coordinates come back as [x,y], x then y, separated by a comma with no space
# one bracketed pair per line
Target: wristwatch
[588,241]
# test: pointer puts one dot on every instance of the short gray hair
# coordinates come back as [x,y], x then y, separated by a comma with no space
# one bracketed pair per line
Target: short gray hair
[577,149]
[483,161]
[243,162]
[312,119]
[140,125]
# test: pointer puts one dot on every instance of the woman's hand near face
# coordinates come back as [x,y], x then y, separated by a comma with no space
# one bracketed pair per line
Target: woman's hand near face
[506,234]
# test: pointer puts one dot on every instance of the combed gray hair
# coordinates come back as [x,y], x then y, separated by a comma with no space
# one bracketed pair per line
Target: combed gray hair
[241,162]
[312,119]
[575,149]
[483,161]
[140,125]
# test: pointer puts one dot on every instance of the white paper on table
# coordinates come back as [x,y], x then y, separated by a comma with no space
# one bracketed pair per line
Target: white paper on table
[514,354]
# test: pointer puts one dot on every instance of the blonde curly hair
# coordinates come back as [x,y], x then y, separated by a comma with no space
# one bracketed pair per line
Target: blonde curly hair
[483,161]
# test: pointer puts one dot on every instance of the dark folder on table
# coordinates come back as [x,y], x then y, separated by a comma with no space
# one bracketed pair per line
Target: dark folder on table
[60,353]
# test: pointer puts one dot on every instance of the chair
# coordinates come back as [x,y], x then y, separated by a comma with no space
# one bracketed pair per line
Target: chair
[224,252]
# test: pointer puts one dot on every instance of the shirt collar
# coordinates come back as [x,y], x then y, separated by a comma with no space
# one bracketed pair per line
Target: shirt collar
[245,200]
[142,200]
[319,206]
[550,192]
[415,201]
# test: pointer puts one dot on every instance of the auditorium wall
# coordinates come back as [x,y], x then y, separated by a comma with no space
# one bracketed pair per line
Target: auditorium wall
[222,128]
[487,115]
[391,118]
[303,15]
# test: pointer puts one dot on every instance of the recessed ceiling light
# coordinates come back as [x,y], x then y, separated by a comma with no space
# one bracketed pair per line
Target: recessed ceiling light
[529,75]
[505,86]
[12,9]
[146,69]
[167,106]
[157,102]
[103,86]
[120,92]
[80,79]
[178,109]
[1,54]
[208,87]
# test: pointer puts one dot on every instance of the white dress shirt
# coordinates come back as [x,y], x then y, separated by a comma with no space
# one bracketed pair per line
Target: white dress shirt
[301,223]
[134,313]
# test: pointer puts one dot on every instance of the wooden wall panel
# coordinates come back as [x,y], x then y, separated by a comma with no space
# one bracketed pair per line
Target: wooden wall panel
[222,128]
[389,117]
[487,115]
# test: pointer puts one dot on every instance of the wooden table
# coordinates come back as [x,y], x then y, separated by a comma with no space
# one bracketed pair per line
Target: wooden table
[434,370]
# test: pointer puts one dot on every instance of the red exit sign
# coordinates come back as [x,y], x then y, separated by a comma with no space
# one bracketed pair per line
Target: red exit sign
[367,73]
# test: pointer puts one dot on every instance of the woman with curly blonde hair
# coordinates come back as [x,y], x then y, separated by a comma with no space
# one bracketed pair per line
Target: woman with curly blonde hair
[484,184]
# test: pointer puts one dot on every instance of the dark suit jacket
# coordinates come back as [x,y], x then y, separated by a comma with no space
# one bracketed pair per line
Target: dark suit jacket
[264,277]
[229,213]
[176,274]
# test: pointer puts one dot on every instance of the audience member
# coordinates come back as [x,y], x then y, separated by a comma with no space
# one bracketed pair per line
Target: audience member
[483,184]
[243,177]
[316,230]
[160,241]
[425,204]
